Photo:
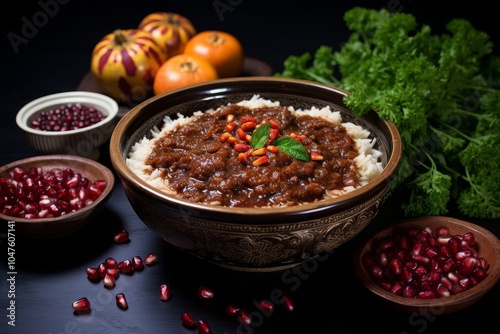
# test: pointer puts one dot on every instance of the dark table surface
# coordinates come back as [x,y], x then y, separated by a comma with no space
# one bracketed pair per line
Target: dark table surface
[53,55]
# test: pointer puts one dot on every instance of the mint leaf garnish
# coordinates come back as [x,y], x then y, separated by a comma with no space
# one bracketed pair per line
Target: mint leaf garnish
[260,136]
[291,147]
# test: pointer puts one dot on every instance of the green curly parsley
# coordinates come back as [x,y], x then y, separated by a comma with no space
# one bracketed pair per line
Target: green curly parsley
[441,91]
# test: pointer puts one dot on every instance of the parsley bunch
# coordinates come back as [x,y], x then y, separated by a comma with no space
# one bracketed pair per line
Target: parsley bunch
[441,91]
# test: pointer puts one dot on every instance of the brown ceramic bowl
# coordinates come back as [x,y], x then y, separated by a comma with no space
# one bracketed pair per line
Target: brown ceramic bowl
[488,248]
[57,227]
[251,239]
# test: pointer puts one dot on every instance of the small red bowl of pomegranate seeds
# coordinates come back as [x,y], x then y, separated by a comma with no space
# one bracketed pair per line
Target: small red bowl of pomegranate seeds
[431,264]
[52,196]
[75,122]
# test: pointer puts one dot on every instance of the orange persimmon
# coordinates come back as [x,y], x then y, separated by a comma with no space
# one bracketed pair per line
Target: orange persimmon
[223,50]
[183,70]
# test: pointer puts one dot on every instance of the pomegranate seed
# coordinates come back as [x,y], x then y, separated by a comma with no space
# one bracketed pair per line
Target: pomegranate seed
[468,265]
[93,274]
[259,151]
[273,149]
[109,280]
[274,124]
[164,292]
[233,140]
[395,266]
[261,160]
[81,305]
[397,288]
[446,282]
[125,266]
[205,293]
[239,147]
[100,184]
[273,134]
[247,118]
[232,310]
[442,290]
[203,327]
[288,304]
[150,259]
[230,126]
[243,317]
[409,291]
[462,255]
[248,126]
[469,238]
[243,158]
[137,262]
[102,269]
[113,271]
[426,294]
[314,156]
[121,237]
[266,305]
[121,301]
[479,273]
[457,288]
[110,262]
[224,137]
[188,320]
[454,244]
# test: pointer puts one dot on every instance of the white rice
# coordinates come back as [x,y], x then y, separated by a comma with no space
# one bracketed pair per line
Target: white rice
[368,160]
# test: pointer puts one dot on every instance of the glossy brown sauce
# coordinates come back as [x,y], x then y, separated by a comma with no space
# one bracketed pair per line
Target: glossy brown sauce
[201,168]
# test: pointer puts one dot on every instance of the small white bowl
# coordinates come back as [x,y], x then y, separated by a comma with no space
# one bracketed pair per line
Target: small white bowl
[82,142]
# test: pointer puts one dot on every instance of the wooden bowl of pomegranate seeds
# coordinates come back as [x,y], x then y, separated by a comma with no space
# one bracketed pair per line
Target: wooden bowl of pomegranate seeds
[52,196]
[74,122]
[430,265]
[219,188]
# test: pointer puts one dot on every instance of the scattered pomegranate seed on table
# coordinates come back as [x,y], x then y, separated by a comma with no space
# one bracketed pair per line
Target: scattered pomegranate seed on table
[121,237]
[125,266]
[121,301]
[232,310]
[205,293]
[81,305]
[150,259]
[288,303]
[164,292]
[188,319]
[266,305]
[203,327]
[109,280]
[243,317]
[137,262]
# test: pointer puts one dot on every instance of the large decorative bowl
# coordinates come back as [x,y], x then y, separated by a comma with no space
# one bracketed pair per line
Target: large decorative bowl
[252,239]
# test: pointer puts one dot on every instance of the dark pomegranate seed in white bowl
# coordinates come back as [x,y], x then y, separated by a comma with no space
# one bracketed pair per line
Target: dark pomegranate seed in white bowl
[74,122]
[431,264]
[52,196]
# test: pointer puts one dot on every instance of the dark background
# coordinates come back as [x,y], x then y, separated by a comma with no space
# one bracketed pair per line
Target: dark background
[55,57]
